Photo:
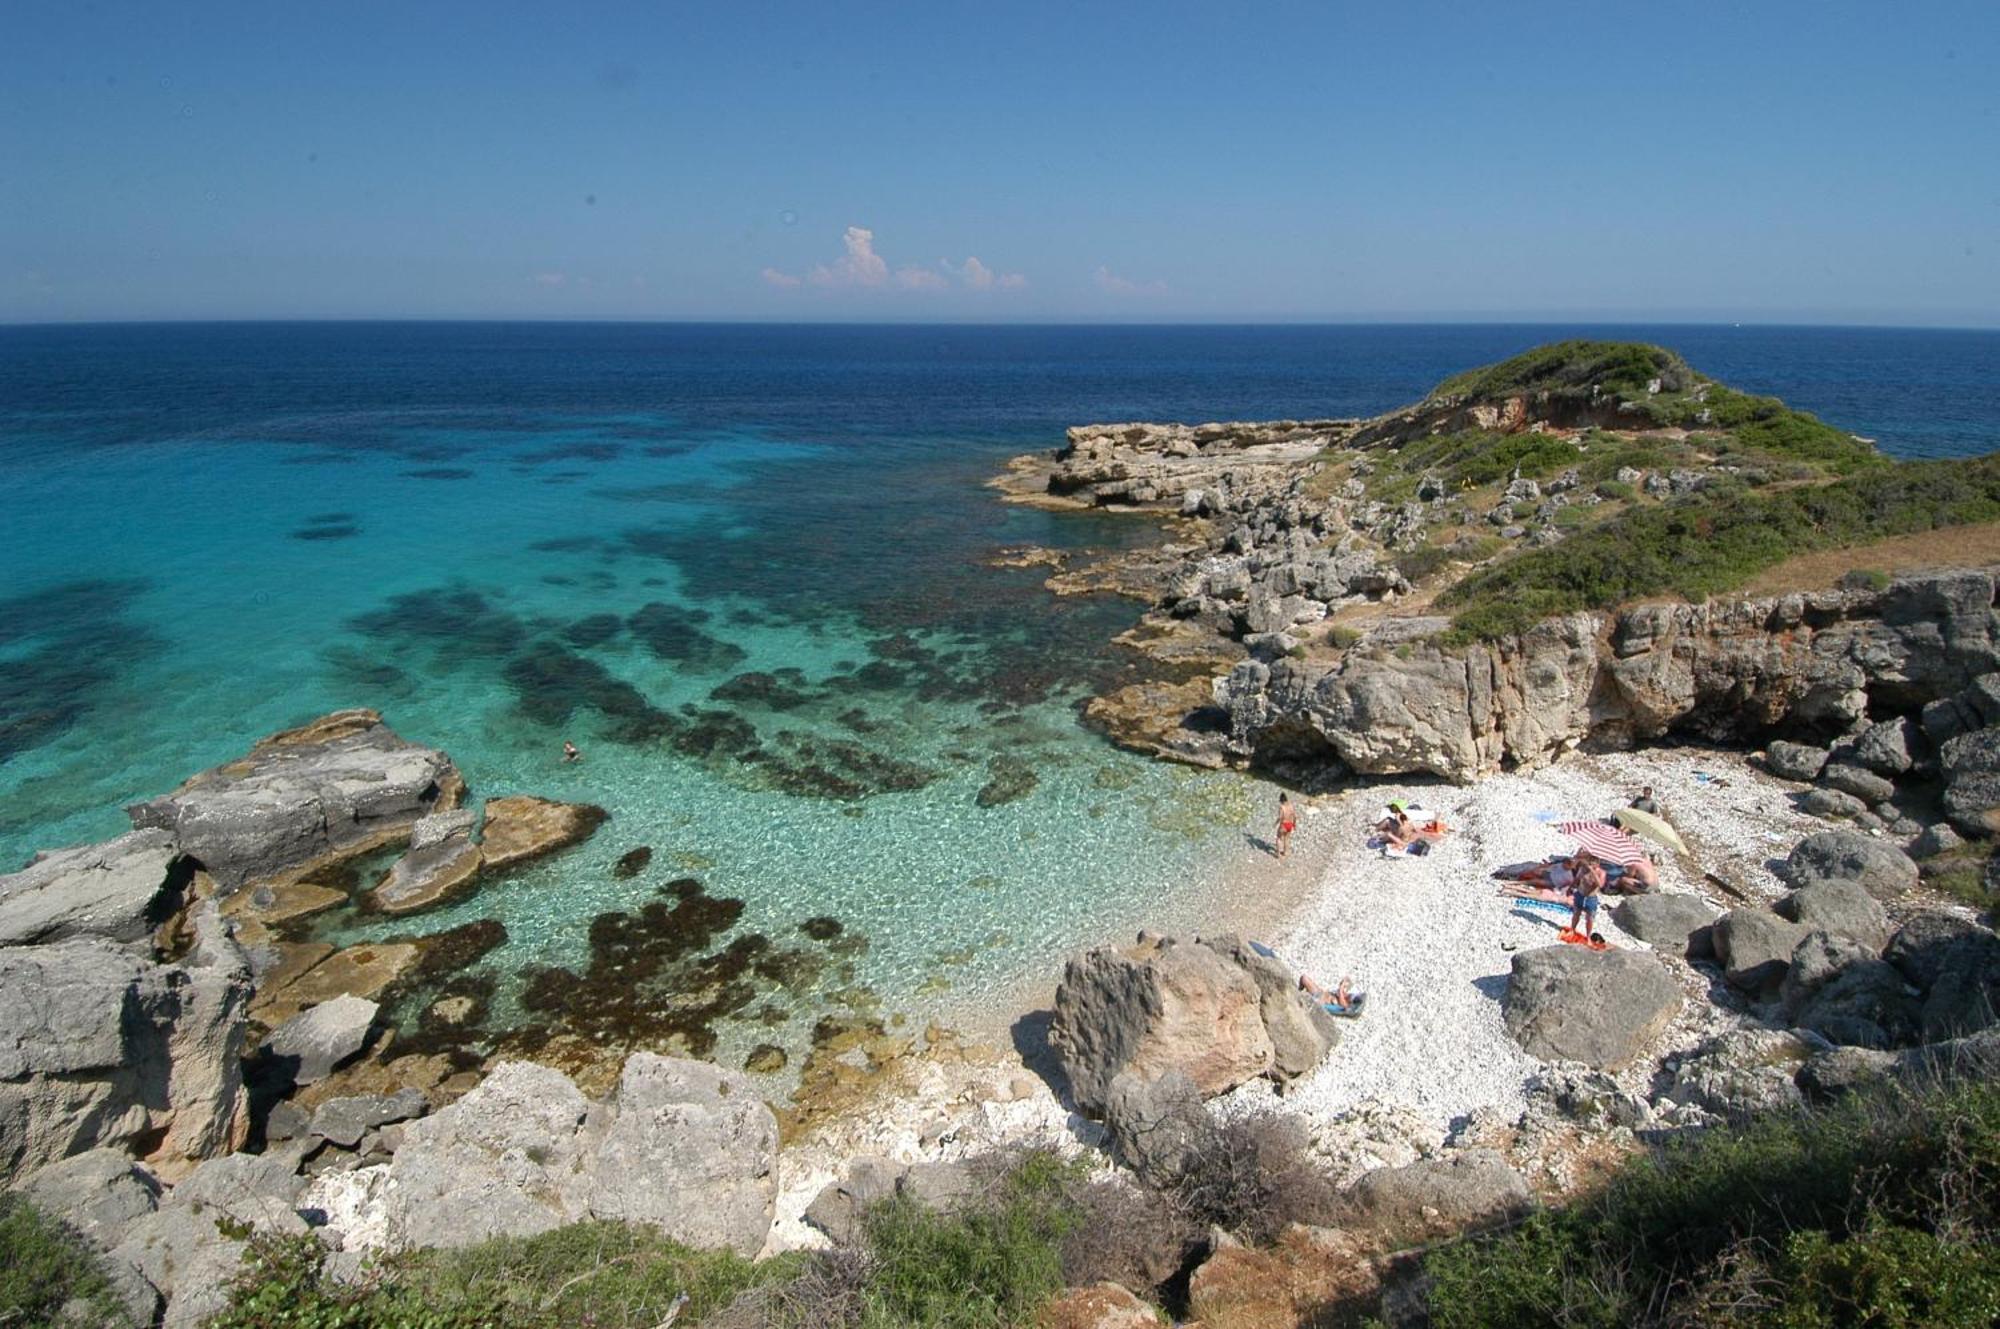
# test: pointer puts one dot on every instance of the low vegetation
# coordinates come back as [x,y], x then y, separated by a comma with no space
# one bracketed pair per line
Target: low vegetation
[47,1276]
[1717,539]
[1881,1211]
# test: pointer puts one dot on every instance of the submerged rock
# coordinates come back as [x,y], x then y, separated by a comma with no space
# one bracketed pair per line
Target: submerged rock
[521,827]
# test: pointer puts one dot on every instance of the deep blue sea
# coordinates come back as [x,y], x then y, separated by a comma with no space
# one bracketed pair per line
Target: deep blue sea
[742,567]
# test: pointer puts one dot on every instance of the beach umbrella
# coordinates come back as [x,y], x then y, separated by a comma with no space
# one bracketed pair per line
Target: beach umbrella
[1652,827]
[1606,842]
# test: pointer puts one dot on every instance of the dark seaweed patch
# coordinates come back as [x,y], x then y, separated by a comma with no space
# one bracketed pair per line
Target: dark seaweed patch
[68,608]
[463,618]
[674,633]
[782,690]
[709,734]
[566,544]
[440,473]
[320,459]
[359,670]
[87,639]
[551,684]
[331,519]
[594,630]
[632,862]
[572,452]
[1012,778]
[326,532]
[822,928]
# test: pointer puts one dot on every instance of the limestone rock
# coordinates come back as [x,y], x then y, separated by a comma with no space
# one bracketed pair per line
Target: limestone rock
[940,1186]
[1883,870]
[1833,803]
[1934,840]
[1103,1306]
[320,1039]
[1300,1029]
[1956,964]
[345,1120]
[1664,922]
[1970,764]
[1755,948]
[1839,906]
[511,1158]
[439,827]
[1817,961]
[1442,1197]
[1865,1005]
[1156,1008]
[99,1193]
[1565,1003]
[1891,747]
[103,1047]
[692,1151]
[1741,1074]
[1158,1124]
[441,871]
[1831,1072]
[1863,784]
[1794,761]
[121,889]
[838,1208]
[340,786]
[522,827]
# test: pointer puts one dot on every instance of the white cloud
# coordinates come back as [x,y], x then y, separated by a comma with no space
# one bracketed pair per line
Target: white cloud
[859,266]
[978,277]
[919,279]
[1111,282]
[550,278]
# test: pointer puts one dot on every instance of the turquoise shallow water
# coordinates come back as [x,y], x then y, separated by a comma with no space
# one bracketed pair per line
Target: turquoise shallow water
[742,568]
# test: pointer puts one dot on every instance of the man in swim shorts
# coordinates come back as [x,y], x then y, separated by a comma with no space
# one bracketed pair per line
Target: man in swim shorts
[1586,885]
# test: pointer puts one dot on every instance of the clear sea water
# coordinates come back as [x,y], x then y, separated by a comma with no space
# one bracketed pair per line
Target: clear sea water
[506,535]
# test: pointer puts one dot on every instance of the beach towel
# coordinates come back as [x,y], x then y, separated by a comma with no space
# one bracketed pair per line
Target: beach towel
[1355,1002]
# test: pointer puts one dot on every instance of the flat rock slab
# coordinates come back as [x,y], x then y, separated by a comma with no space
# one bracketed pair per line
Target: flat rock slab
[120,889]
[427,877]
[521,827]
[323,1037]
[364,970]
[340,786]
[345,1120]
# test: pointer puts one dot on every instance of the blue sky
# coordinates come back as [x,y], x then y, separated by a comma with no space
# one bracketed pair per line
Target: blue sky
[1757,160]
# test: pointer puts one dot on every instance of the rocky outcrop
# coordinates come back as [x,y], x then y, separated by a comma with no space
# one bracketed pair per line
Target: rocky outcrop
[1102,1306]
[1726,672]
[1755,948]
[121,890]
[1840,907]
[686,1147]
[105,1047]
[301,799]
[1432,1198]
[1193,1008]
[1664,922]
[1565,1003]
[1136,465]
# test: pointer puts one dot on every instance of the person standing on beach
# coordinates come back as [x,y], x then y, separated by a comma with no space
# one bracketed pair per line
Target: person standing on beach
[1586,886]
[1288,821]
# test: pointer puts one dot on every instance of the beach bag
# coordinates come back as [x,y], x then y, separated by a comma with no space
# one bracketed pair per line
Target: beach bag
[1419,847]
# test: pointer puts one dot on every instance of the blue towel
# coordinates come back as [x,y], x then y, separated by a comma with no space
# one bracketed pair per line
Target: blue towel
[1263,950]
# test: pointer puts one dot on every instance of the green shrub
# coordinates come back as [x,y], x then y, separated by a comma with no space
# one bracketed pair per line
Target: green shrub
[611,1275]
[1963,880]
[1877,1211]
[983,1267]
[1717,539]
[1419,563]
[1865,579]
[44,1267]
[1570,516]
[1341,637]
[1621,368]
[1616,490]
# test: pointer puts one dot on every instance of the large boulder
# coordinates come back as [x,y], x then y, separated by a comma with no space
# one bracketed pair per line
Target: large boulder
[340,786]
[1817,961]
[692,1151]
[1889,748]
[190,1250]
[1970,764]
[510,1159]
[1841,908]
[1158,1125]
[1566,1003]
[1156,1008]
[842,1204]
[432,873]
[1794,761]
[1755,948]
[1862,783]
[1880,868]
[1956,964]
[1866,1004]
[103,1047]
[1441,1197]
[121,889]
[1664,922]
[1300,1029]
[313,1042]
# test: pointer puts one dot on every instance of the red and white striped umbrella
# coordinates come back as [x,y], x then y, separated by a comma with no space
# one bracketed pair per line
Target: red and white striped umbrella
[1607,842]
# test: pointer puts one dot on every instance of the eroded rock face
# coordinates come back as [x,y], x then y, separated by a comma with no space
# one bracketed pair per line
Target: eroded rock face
[1566,1003]
[121,889]
[1727,672]
[301,799]
[1192,1007]
[104,1047]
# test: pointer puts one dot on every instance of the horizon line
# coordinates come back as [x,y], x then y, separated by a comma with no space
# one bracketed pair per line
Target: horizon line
[1380,321]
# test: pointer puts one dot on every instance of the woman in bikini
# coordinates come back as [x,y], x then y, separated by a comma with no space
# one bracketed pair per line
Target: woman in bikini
[1288,821]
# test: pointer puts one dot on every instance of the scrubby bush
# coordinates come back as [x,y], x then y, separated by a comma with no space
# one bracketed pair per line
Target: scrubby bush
[1617,490]
[1255,1179]
[1341,637]
[1717,539]
[1879,1211]
[44,1268]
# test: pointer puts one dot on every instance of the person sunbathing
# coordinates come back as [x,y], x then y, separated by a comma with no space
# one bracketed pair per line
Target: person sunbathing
[1343,1000]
